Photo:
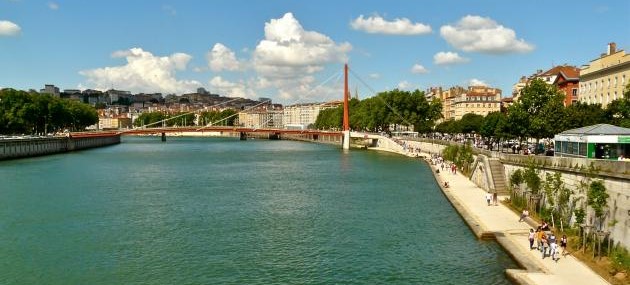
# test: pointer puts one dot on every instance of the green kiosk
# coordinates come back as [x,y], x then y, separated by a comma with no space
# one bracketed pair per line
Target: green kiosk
[601,141]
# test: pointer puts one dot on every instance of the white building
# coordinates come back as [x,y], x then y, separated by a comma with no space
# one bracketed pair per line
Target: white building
[304,115]
[260,119]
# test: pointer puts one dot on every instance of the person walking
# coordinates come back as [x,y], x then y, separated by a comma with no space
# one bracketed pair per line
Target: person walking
[532,236]
[539,234]
[488,198]
[553,247]
[563,245]
[545,245]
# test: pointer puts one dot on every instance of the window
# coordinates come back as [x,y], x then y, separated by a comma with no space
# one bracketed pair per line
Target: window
[615,82]
[582,150]
[615,96]
[608,85]
[574,91]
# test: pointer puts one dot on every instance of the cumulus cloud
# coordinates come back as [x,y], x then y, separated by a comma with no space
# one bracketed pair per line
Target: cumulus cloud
[8,28]
[418,69]
[399,26]
[476,82]
[143,72]
[222,58]
[446,58]
[479,34]
[231,89]
[53,6]
[405,85]
[169,10]
[288,55]
[374,75]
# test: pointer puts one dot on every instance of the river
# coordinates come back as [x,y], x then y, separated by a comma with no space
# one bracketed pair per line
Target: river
[224,211]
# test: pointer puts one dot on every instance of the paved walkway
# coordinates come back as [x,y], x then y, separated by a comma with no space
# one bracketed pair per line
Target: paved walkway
[513,236]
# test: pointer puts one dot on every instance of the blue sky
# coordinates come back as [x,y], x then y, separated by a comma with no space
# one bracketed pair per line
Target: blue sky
[294,51]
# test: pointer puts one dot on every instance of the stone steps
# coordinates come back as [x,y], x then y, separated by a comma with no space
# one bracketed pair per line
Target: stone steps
[498,176]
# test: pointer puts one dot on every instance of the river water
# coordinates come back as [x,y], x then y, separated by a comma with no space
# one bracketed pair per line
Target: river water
[223,211]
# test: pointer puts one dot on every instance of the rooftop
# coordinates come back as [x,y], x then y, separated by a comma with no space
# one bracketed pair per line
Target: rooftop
[599,129]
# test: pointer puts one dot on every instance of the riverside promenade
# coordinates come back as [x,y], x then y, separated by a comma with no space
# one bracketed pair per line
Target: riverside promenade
[502,223]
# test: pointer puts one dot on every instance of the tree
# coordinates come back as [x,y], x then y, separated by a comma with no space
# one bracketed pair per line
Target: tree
[471,123]
[539,105]
[597,198]
[580,114]
[618,111]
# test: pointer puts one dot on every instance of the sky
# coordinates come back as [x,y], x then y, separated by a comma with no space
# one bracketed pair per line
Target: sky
[294,51]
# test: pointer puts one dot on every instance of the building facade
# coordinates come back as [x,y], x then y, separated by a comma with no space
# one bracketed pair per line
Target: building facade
[566,78]
[261,118]
[479,100]
[305,115]
[603,80]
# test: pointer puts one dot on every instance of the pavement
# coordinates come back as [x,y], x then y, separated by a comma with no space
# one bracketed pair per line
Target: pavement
[503,223]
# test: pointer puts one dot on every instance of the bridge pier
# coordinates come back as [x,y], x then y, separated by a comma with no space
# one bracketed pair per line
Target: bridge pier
[346,140]
[163,137]
[274,136]
[243,136]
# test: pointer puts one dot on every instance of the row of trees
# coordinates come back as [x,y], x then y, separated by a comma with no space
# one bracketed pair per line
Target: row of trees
[540,113]
[378,113]
[226,117]
[32,113]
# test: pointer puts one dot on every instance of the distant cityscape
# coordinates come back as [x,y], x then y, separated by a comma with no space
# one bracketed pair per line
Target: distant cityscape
[601,81]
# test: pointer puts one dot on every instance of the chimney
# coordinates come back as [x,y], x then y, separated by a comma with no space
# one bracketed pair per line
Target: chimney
[611,48]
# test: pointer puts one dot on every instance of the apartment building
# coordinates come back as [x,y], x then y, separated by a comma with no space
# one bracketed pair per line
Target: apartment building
[566,78]
[261,118]
[304,115]
[603,80]
[480,100]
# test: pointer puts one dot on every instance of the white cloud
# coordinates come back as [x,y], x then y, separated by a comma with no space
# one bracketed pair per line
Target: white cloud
[169,10]
[374,75]
[405,85]
[143,72]
[399,26]
[288,56]
[446,58]
[418,69]
[8,28]
[476,82]
[231,89]
[222,58]
[53,6]
[479,34]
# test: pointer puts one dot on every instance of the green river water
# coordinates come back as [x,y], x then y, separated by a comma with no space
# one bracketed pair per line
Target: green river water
[224,211]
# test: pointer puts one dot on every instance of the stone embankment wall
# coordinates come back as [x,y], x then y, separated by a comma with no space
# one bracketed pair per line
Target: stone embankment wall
[20,148]
[574,171]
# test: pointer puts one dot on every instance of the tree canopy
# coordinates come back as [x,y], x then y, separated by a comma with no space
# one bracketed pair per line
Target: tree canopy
[389,108]
[32,113]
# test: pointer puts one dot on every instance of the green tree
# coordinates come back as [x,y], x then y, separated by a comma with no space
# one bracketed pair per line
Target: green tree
[580,114]
[597,199]
[618,111]
[471,123]
[539,106]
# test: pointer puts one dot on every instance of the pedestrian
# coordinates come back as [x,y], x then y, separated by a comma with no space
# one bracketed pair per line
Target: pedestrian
[495,198]
[553,246]
[524,215]
[545,245]
[563,244]
[532,236]
[488,198]
[544,226]
[539,234]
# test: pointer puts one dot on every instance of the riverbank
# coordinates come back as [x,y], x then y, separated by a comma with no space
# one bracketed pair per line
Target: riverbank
[500,223]
[31,147]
